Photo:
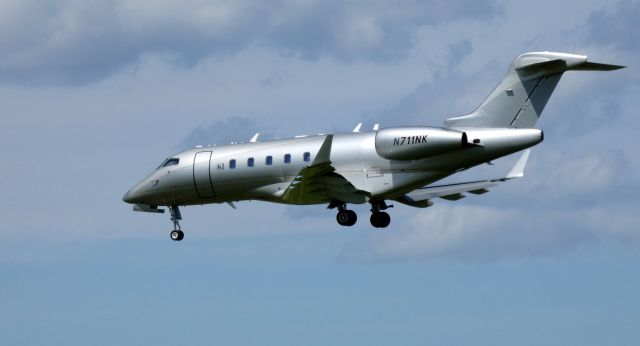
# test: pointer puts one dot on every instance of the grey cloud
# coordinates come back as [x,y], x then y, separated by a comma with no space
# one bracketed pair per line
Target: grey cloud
[479,233]
[618,28]
[72,42]
[366,30]
[449,94]
[234,129]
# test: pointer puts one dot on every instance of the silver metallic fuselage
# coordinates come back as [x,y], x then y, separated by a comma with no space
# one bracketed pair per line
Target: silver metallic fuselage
[203,175]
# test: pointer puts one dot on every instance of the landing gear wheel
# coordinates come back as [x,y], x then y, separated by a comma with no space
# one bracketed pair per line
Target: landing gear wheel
[346,217]
[176,235]
[380,219]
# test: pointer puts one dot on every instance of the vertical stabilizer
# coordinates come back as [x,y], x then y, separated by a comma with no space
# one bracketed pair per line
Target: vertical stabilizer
[518,101]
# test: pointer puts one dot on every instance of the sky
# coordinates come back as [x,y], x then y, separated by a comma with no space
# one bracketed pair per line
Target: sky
[95,94]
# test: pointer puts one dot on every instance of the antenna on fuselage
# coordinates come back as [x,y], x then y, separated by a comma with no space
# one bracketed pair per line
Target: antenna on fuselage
[357,128]
[254,138]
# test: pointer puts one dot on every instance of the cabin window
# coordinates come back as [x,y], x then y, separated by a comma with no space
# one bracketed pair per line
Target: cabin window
[268,160]
[232,164]
[306,156]
[287,158]
[250,162]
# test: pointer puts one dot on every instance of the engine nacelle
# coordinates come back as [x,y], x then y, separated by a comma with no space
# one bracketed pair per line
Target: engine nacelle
[414,143]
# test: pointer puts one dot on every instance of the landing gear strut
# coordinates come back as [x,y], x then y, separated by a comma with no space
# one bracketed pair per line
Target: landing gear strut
[345,217]
[177,233]
[379,218]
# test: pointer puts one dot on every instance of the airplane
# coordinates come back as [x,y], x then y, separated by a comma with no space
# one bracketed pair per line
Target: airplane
[399,164]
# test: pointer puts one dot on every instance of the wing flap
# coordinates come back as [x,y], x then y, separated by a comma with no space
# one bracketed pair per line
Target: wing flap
[451,192]
[454,192]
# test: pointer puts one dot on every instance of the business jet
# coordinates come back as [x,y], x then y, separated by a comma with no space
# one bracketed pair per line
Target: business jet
[385,165]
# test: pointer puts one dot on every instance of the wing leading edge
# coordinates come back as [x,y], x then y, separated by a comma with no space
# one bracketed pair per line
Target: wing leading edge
[421,198]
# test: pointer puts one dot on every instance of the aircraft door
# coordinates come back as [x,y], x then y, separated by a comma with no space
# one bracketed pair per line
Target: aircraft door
[202,174]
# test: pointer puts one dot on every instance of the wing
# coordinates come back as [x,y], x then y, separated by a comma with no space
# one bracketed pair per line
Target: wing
[319,182]
[421,197]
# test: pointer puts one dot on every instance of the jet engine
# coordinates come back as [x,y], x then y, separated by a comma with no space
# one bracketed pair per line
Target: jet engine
[414,143]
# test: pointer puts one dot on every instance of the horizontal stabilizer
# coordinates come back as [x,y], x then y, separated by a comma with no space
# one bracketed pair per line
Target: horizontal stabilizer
[595,66]
[549,65]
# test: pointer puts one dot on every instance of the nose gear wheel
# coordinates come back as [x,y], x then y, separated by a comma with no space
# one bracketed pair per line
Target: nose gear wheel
[176,234]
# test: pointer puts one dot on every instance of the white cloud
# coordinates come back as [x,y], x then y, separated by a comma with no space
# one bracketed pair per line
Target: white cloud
[571,173]
[296,67]
[75,42]
[471,232]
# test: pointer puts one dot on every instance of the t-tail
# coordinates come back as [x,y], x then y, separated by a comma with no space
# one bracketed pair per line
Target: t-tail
[518,101]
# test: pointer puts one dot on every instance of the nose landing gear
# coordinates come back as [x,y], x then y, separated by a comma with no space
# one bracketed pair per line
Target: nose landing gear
[176,234]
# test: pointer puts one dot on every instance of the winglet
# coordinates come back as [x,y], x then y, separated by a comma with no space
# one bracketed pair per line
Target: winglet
[518,169]
[254,138]
[324,154]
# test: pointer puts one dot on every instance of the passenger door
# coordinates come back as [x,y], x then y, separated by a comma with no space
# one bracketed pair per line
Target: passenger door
[202,174]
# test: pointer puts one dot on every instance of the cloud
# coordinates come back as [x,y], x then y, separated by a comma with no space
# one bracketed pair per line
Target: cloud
[564,175]
[234,129]
[617,27]
[76,42]
[294,67]
[480,233]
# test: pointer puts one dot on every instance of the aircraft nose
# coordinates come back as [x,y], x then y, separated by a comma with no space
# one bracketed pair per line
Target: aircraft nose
[135,194]
[129,197]
[142,192]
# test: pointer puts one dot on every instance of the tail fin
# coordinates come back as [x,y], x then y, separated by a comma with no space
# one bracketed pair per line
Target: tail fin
[519,99]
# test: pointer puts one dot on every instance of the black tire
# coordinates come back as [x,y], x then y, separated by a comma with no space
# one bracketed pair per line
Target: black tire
[176,235]
[343,217]
[353,217]
[380,219]
[346,217]
[375,220]
[385,219]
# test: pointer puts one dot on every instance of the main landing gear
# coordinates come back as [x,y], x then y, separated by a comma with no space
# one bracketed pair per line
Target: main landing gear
[177,233]
[346,217]
[379,218]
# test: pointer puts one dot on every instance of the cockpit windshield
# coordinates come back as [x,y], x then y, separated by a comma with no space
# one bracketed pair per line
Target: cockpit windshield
[169,162]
